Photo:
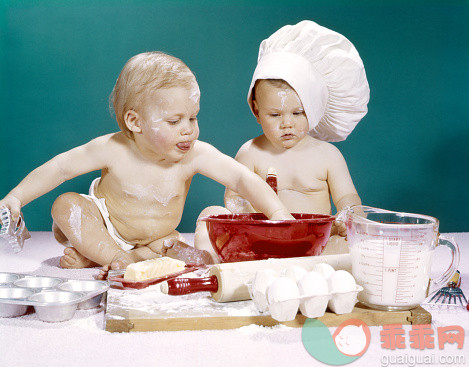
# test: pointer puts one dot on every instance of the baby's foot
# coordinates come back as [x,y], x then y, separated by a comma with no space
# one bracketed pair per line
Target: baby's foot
[72,259]
[182,251]
[121,261]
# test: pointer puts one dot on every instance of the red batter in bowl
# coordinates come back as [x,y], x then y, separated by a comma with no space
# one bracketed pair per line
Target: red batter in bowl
[251,236]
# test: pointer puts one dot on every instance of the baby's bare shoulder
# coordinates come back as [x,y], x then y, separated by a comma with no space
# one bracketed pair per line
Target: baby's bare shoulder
[247,153]
[201,148]
[323,146]
[108,147]
[113,142]
[246,148]
[200,154]
[106,140]
[252,147]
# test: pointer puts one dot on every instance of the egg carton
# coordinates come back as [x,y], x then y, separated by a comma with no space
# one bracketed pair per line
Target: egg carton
[313,306]
[312,292]
[53,299]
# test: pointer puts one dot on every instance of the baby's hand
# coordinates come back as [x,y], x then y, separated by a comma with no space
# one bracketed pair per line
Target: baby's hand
[281,215]
[14,204]
[339,228]
[120,262]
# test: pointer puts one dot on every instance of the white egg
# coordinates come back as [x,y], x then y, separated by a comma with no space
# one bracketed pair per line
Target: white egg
[342,281]
[295,273]
[324,269]
[262,280]
[314,306]
[313,284]
[341,303]
[283,299]
[282,289]
[284,310]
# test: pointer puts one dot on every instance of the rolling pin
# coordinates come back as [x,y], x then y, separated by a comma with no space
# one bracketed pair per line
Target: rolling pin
[229,281]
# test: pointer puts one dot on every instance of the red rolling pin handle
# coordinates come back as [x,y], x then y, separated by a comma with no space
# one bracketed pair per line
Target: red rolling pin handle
[271,178]
[272,181]
[181,286]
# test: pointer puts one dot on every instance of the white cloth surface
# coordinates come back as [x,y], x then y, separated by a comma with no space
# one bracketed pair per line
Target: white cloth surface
[82,341]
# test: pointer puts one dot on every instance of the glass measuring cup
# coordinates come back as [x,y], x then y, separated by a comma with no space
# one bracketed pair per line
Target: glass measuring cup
[391,255]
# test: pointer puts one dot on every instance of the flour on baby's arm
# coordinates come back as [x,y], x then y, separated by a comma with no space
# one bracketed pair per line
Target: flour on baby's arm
[239,178]
[234,202]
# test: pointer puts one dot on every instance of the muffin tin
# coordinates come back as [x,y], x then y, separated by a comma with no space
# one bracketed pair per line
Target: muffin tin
[54,299]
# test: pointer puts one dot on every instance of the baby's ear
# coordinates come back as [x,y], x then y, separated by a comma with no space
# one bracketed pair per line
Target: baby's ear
[255,109]
[132,121]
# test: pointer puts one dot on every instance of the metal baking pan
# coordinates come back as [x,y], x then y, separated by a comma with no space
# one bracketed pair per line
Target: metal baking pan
[54,299]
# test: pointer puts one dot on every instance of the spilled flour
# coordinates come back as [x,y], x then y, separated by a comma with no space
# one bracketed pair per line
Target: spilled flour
[152,303]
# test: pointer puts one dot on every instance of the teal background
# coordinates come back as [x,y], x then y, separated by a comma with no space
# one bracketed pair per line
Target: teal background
[59,61]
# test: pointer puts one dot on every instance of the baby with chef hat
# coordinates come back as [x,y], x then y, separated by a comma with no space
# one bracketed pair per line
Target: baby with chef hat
[309,89]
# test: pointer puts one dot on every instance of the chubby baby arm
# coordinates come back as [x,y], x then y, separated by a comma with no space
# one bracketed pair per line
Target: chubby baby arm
[63,167]
[340,183]
[261,195]
[238,178]
[234,202]
[237,204]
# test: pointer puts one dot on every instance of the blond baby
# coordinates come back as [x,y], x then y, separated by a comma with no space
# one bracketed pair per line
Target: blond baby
[133,209]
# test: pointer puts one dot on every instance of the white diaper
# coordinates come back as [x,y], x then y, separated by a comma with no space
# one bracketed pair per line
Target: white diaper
[101,204]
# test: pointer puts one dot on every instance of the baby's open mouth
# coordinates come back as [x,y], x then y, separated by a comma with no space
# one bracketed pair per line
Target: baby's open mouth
[185,146]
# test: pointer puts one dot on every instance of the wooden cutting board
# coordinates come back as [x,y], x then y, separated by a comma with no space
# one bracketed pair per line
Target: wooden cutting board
[150,310]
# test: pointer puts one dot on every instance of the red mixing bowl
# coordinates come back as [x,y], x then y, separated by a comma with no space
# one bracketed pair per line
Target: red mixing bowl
[251,236]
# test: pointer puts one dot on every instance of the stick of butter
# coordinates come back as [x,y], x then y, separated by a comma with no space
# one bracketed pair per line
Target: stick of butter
[154,268]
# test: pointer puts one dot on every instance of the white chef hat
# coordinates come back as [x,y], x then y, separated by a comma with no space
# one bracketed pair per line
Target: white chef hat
[326,72]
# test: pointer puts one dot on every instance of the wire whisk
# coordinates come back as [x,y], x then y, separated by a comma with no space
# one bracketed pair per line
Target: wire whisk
[452,293]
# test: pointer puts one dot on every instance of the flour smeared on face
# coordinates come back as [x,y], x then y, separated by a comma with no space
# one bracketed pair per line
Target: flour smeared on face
[149,192]
[351,340]
[156,121]
[301,134]
[75,221]
[283,97]
[195,94]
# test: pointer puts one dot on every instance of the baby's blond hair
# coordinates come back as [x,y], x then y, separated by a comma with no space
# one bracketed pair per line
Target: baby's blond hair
[144,73]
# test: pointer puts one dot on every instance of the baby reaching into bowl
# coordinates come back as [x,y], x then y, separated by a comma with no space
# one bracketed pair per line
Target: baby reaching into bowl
[132,210]
[309,88]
